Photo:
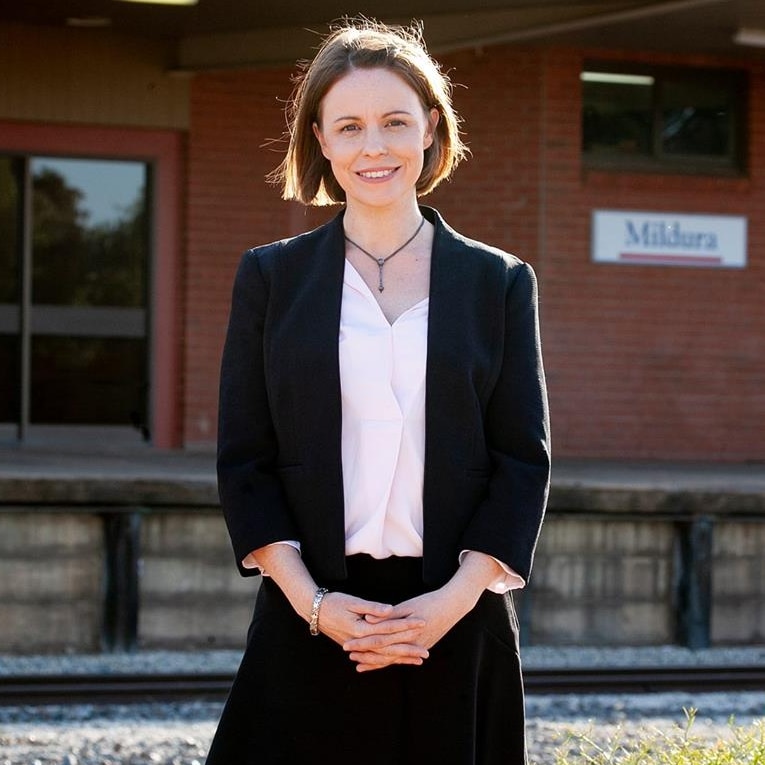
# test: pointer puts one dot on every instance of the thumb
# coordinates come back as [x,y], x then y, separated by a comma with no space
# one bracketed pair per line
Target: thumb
[401,611]
[371,619]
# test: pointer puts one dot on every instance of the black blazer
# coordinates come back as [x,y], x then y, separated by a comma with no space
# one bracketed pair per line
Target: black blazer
[487,459]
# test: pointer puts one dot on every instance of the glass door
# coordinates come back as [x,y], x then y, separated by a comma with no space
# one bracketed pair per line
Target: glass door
[11,183]
[73,288]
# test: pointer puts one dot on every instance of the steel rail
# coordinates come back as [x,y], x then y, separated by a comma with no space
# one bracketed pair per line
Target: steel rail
[112,688]
[646,679]
[124,688]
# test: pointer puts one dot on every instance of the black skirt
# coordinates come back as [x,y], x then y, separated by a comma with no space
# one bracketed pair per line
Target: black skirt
[298,699]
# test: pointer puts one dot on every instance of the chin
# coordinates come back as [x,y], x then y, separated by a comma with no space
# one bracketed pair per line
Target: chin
[380,197]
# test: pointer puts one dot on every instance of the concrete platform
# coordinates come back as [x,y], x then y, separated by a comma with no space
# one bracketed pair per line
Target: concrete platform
[658,487]
[134,476]
[147,476]
[137,555]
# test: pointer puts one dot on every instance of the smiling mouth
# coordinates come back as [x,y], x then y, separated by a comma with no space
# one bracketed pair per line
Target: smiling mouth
[377,174]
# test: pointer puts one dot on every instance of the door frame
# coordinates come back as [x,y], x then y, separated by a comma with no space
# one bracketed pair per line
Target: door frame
[163,151]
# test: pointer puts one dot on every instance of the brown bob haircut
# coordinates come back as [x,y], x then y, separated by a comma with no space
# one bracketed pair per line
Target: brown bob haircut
[305,173]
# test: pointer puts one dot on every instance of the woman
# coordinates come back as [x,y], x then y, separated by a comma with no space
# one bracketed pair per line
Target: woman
[383,440]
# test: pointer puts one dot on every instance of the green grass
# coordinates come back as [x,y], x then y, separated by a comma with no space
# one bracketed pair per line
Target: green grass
[744,745]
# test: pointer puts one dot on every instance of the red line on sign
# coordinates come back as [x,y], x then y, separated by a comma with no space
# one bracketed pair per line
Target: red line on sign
[688,260]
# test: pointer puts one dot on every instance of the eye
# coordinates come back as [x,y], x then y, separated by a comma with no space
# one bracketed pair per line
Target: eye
[349,128]
[396,122]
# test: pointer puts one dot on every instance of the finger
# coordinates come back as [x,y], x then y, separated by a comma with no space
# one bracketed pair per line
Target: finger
[370,619]
[393,615]
[411,661]
[370,608]
[367,666]
[376,641]
[372,667]
[401,611]
[392,626]
[385,653]
[386,631]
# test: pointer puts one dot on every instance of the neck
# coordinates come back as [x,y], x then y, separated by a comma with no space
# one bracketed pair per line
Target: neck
[381,230]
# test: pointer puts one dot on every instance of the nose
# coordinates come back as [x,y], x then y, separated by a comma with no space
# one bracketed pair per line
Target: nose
[374,143]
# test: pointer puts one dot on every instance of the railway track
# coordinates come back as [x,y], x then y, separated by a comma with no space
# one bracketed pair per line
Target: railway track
[124,688]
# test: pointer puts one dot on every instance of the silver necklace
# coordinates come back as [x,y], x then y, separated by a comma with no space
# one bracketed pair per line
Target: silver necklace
[382,261]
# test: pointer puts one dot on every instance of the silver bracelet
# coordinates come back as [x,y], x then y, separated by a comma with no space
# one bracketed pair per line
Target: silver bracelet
[313,625]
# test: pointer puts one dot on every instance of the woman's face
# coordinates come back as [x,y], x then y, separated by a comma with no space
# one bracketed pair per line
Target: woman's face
[373,130]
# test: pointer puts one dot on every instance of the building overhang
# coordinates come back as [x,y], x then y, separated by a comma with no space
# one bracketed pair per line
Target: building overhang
[215,34]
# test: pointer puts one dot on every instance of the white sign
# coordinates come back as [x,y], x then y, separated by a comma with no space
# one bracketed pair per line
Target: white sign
[668,239]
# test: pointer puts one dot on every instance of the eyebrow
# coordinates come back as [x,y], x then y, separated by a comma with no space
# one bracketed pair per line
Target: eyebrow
[387,114]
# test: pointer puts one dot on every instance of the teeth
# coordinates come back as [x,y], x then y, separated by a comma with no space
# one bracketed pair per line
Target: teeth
[376,174]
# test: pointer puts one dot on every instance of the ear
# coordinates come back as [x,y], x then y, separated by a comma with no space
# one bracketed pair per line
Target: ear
[320,138]
[433,117]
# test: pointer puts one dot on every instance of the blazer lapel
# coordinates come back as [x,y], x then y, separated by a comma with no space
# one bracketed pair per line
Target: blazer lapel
[448,415]
[310,379]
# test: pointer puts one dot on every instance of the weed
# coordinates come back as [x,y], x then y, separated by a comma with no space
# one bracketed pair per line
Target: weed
[745,745]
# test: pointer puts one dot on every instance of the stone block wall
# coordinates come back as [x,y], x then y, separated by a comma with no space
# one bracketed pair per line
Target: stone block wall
[191,594]
[599,579]
[50,582]
[602,582]
[738,584]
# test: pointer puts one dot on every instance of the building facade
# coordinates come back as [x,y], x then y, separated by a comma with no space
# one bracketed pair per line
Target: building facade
[660,358]
[619,147]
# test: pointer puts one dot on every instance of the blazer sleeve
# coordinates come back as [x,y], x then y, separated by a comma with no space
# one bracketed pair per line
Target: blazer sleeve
[251,494]
[507,522]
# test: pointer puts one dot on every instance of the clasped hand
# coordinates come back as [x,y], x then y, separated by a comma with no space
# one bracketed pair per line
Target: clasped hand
[376,635]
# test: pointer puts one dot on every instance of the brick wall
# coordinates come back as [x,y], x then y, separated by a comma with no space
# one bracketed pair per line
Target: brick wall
[642,362]
[230,208]
[650,362]
[495,195]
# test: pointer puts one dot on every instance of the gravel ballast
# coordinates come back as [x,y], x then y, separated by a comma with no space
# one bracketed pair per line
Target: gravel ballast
[180,733]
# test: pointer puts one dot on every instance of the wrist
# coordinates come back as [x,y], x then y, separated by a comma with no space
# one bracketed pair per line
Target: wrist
[482,568]
[471,579]
[462,594]
[300,596]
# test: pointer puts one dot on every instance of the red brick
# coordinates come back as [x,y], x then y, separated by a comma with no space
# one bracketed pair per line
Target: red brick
[663,363]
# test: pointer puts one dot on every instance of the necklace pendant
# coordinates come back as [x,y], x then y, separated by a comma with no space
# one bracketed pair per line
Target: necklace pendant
[382,261]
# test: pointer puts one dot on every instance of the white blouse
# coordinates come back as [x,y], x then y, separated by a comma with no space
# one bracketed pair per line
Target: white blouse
[382,380]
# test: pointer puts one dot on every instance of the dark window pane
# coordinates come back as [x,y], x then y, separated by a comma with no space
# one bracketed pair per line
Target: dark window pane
[89,381]
[697,119]
[90,232]
[617,117]
[9,378]
[663,119]
[10,224]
